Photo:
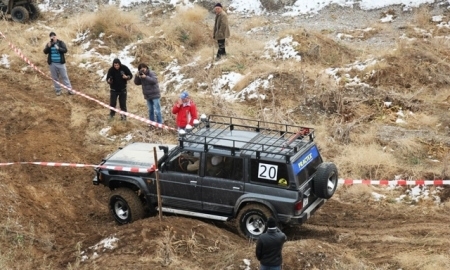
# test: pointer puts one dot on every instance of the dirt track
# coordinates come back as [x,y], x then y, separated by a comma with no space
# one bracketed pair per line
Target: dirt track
[64,214]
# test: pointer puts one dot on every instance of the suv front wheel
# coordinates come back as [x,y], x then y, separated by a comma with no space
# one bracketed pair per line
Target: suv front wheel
[126,206]
[252,219]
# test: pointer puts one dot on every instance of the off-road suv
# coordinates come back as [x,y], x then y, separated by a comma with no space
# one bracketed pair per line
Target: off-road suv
[20,10]
[225,169]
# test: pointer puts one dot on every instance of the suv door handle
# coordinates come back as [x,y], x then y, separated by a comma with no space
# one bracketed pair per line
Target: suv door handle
[236,188]
[193,182]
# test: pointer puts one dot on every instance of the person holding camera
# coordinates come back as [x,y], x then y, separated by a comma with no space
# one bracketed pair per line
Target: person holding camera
[117,77]
[150,89]
[55,50]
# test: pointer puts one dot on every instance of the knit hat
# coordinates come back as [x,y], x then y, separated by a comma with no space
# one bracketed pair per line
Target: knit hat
[52,34]
[184,95]
[218,5]
[271,223]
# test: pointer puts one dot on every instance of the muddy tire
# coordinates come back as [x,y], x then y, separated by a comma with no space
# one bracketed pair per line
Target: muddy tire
[34,11]
[125,206]
[20,14]
[326,180]
[251,220]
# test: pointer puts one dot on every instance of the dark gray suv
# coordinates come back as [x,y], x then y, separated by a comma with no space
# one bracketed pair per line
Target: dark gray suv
[225,169]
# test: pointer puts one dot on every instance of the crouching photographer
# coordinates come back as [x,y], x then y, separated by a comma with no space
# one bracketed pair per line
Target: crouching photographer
[151,92]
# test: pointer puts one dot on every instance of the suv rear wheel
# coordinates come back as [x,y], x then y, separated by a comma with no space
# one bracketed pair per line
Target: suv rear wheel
[326,180]
[126,206]
[20,14]
[252,219]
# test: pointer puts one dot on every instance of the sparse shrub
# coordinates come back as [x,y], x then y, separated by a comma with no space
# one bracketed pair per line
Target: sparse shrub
[416,63]
[316,48]
[119,31]
[422,16]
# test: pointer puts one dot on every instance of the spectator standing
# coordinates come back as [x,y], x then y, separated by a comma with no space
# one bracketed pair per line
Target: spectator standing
[269,247]
[150,89]
[56,50]
[117,78]
[186,111]
[221,30]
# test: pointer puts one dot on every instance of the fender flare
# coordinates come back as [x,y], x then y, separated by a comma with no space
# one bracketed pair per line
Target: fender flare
[241,202]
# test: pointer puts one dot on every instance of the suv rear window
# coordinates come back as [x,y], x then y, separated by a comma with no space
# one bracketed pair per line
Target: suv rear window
[306,165]
[272,173]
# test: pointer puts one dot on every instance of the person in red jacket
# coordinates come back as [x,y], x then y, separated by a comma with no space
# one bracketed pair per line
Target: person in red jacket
[185,110]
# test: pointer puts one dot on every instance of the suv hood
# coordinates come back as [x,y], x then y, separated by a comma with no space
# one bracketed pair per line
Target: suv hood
[136,155]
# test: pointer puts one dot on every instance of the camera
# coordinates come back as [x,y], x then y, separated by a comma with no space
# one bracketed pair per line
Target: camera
[141,73]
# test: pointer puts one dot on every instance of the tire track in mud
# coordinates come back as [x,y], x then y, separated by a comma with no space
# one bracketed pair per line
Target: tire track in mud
[379,233]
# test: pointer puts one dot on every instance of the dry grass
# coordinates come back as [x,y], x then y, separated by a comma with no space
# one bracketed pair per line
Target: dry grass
[366,162]
[414,260]
[422,16]
[319,49]
[254,22]
[355,193]
[123,29]
[414,63]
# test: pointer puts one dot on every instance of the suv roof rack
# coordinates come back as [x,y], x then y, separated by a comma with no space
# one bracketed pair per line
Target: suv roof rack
[271,140]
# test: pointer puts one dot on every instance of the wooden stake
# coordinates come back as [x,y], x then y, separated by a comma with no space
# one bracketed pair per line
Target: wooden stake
[158,190]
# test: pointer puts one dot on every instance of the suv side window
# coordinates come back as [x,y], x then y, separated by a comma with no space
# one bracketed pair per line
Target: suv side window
[271,173]
[185,162]
[224,167]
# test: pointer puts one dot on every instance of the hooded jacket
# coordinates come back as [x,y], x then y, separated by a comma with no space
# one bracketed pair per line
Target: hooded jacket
[150,87]
[118,83]
[186,113]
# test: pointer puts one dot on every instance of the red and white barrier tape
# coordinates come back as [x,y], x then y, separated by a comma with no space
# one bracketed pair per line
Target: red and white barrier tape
[153,167]
[78,165]
[395,182]
[130,115]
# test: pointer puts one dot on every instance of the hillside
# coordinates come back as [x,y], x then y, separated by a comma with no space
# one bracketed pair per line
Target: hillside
[374,84]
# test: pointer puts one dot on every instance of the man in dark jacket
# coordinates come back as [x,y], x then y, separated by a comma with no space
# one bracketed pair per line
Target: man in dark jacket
[117,78]
[221,29]
[269,247]
[55,50]
[150,89]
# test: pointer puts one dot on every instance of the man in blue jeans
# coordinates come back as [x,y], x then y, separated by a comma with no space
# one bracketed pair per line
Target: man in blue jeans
[269,247]
[150,90]
[55,50]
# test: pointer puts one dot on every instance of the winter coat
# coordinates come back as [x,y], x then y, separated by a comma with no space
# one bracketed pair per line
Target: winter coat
[150,87]
[118,83]
[269,247]
[221,28]
[62,50]
[185,113]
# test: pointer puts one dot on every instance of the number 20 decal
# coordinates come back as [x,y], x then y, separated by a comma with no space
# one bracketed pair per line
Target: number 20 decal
[268,171]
